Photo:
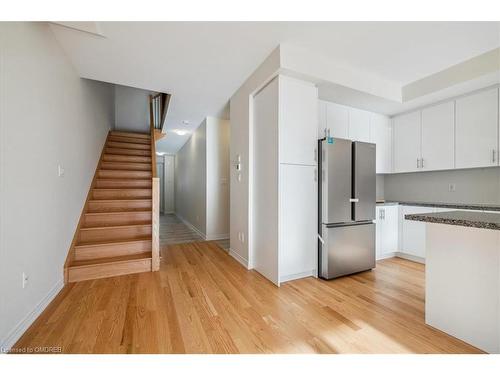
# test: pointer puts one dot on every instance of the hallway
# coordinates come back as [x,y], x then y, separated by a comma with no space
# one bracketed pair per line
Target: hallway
[173,231]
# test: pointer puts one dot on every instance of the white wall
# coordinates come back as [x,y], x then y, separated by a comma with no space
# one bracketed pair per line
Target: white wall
[48,116]
[240,145]
[217,178]
[131,109]
[190,182]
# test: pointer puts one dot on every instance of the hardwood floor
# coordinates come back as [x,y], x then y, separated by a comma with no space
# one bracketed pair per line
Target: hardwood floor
[203,301]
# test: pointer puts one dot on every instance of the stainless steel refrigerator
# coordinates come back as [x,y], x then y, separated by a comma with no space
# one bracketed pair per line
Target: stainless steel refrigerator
[347,200]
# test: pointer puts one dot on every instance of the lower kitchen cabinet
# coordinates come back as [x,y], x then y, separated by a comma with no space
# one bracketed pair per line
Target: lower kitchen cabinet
[412,237]
[387,222]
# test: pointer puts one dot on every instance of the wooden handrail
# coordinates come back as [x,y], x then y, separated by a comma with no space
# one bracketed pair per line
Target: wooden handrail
[152,131]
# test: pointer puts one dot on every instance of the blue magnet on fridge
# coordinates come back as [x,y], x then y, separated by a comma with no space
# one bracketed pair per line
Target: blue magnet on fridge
[330,140]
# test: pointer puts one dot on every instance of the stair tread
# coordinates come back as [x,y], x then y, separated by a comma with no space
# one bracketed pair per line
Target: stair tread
[116,242]
[120,200]
[126,134]
[117,226]
[117,212]
[117,259]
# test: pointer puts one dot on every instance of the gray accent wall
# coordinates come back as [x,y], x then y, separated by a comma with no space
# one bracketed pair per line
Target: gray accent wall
[479,185]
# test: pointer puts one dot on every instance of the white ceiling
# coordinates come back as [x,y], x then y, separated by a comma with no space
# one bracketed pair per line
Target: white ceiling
[203,63]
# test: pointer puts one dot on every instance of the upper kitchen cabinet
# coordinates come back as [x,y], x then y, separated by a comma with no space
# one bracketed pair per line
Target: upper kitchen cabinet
[359,125]
[407,142]
[381,135]
[438,137]
[477,130]
[298,102]
[337,120]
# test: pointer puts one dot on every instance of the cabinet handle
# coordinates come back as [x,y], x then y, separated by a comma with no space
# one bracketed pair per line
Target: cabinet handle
[418,163]
[494,159]
[422,163]
[315,174]
[315,154]
[383,214]
[380,214]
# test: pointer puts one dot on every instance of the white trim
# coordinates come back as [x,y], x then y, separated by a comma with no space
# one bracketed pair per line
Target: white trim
[386,256]
[16,333]
[406,256]
[214,237]
[296,276]
[192,227]
[239,258]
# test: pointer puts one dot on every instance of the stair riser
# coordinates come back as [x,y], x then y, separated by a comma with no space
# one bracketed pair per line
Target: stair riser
[113,219]
[118,138]
[133,146]
[129,135]
[121,194]
[123,184]
[107,173]
[108,270]
[118,206]
[126,158]
[126,166]
[124,151]
[111,250]
[114,234]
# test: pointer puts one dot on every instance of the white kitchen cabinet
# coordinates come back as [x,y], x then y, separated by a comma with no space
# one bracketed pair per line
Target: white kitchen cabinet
[387,221]
[359,125]
[407,142]
[298,237]
[283,236]
[477,130]
[298,103]
[337,120]
[381,135]
[413,232]
[438,137]
[322,118]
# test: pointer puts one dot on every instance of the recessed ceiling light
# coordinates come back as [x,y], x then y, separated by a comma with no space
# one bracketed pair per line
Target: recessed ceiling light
[185,122]
[180,132]
[160,153]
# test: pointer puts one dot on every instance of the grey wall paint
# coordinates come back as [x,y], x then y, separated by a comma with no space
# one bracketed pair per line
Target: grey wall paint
[131,109]
[480,185]
[380,186]
[48,116]
[191,180]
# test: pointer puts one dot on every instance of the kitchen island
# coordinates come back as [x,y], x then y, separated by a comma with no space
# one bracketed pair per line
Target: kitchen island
[462,275]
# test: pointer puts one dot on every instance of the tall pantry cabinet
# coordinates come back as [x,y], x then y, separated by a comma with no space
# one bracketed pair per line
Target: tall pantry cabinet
[283,180]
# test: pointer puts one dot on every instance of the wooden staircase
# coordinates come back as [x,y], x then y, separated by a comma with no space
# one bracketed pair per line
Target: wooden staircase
[118,229]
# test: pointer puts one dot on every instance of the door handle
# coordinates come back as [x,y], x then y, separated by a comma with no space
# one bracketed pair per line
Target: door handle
[354,200]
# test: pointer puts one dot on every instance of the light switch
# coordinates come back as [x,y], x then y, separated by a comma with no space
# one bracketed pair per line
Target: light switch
[60,170]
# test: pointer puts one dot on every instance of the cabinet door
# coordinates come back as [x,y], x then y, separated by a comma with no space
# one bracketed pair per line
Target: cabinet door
[297,221]
[298,121]
[413,232]
[359,125]
[379,232]
[321,118]
[438,137]
[381,135]
[337,120]
[389,235]
[477,130]
[407,139]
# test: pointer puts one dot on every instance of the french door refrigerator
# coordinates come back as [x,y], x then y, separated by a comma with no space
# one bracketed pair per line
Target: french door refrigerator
[347,199]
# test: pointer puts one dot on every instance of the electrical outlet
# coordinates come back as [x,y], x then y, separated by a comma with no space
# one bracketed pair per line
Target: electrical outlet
[451,188]
[60,170]
[25,280]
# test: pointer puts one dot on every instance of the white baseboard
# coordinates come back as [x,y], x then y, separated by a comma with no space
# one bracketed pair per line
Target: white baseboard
[16,333]
[296,276]
[413,258]
[214,237]
[239,258]
[386,256]
[192,227]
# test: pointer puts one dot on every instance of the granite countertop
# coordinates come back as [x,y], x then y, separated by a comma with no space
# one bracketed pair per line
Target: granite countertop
[484,220]
[457,206]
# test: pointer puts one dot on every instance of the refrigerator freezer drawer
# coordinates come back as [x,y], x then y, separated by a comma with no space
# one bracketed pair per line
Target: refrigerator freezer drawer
[347,249]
